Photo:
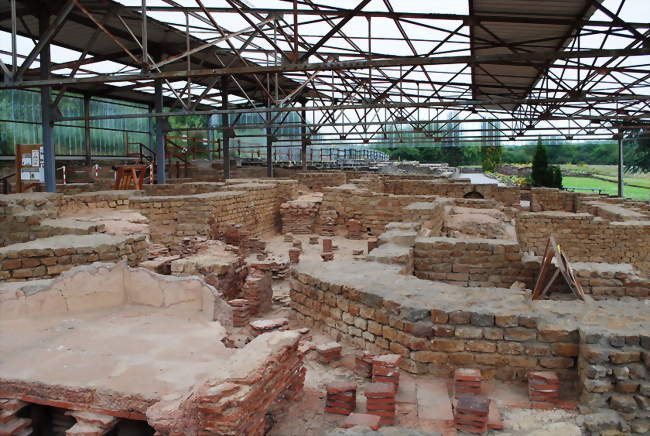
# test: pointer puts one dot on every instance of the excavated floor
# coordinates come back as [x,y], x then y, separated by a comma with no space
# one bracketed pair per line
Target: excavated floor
[126,351]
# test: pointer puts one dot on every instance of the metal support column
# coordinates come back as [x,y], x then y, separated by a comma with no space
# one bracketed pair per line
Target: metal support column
[161,176]
[225,123]
[150,128]
[269,146]
[87,148]
[303,137]
[620,163]
[46,109]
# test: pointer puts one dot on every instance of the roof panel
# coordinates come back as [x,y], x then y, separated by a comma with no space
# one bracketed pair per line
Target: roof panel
[492,38]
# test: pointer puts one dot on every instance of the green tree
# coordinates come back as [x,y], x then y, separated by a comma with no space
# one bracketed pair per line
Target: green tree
[539,174]
[542,174]
[491,156]
[638,159]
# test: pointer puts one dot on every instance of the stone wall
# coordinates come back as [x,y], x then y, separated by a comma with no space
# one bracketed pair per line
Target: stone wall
[585,238]
[614,375]
[98,199]
[254,205]
[506,195]
[373,210]
[316,181]
[21,215]
[49,257]
[473,262]
[605,281]
[433,338]
[188,188]
[552,199]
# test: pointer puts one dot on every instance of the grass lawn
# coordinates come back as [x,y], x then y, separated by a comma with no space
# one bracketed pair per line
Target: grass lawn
[610,172]
[607,187]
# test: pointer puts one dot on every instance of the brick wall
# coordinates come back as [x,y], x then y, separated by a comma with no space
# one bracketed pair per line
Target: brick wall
[614,374]
[21,215]
[552,199]
[374,210]
[435,340]
[473,262]
[256,206]
[49,257]
[585,238]
[316,181]
[255,387]
[98,199]
[506,195]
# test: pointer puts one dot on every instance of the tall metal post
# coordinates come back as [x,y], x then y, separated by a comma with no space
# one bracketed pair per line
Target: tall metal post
[161,175]
[150,128]
[620,163]
[225,123]
[303,137]
[46,109]
[87,148]
[269,146]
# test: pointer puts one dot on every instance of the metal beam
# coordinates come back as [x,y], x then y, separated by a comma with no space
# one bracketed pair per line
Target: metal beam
[333,30]
[343,65]
[44,38]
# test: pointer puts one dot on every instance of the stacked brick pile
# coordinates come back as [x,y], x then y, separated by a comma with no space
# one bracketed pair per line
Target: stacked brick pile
[341,398]
[329,352]
[385,369]
[543,387]
[471,414]
[380,401]
[363,364]
[354,229]
[294,255]
[299,216]
[327,254]
[313,240]
[372,244]
[240,405]
[258,291]
[49,257]
[238,236]
[327,222]
[467,381]
[240,312]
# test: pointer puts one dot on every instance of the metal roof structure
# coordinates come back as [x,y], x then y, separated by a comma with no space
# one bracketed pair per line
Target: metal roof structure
[575,68]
